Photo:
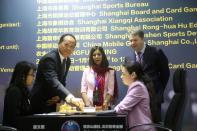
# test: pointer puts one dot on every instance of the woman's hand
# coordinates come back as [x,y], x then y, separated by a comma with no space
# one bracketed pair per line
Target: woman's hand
[105,105]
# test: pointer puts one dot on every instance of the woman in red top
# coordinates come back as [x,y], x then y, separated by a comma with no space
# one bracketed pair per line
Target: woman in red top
[98,85]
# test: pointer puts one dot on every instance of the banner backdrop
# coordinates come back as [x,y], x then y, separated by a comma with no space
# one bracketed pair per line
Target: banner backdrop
[30,29]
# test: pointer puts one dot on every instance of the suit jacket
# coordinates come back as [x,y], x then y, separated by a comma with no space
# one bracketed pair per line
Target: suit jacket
[155,65]
[16,104]
[50,82]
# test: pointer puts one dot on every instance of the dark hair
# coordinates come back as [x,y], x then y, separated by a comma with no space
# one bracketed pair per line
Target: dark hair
[20,73]
[104,62]
[64,35]
[137,68]
[138,32]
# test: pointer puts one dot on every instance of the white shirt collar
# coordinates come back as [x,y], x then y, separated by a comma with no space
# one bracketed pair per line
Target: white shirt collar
[61,56]
[143,49]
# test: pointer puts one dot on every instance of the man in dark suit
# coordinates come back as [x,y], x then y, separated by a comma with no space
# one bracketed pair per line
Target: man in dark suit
[49,87]
[153,61]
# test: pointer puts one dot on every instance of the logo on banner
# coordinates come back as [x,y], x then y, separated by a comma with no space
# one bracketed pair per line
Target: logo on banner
[70,126]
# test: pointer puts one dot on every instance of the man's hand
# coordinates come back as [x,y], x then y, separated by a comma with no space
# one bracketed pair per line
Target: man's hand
[77,102]
[53,100]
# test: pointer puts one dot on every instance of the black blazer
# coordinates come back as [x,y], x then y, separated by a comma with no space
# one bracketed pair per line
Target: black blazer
[155,65]
[50,81]
[16,103]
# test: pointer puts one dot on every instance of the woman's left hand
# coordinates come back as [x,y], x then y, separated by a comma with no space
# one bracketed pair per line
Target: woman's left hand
[105,106]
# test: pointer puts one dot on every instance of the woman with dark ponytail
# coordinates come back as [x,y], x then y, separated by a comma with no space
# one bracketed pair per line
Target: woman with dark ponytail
[139,102]
[16,102]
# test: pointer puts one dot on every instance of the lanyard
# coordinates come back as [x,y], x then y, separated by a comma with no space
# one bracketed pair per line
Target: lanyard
[96,82]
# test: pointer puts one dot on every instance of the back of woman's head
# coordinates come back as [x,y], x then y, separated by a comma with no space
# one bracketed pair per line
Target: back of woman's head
[20,73]
[134,67]
[104,62]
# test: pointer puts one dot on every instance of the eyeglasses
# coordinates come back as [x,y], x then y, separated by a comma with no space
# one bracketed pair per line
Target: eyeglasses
[33,75]
[124,74]
[69,44]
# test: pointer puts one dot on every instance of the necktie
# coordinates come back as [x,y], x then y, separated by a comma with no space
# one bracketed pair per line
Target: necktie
[63,68]
[63,64]
[139,59]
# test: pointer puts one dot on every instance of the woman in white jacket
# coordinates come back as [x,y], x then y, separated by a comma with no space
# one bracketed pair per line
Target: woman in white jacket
[98,84]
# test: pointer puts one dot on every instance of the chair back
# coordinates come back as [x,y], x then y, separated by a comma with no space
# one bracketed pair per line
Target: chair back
[174,115]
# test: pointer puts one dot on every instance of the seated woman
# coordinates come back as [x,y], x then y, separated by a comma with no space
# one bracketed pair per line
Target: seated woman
[16,102]
[138,102]
[98,84]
